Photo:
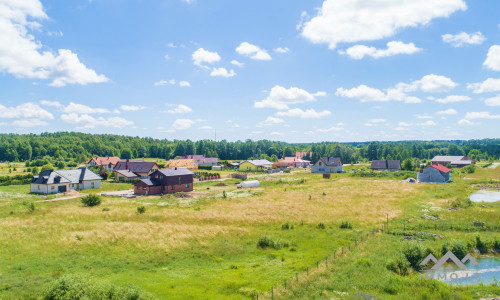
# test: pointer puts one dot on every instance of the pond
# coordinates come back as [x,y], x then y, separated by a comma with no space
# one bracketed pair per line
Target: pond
[485,196]
[487,271]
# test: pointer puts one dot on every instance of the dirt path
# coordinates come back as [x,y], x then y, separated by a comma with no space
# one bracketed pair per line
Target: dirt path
[494,165]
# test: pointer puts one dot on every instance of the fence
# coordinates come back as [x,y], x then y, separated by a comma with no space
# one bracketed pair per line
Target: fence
[293,280]
[394,228]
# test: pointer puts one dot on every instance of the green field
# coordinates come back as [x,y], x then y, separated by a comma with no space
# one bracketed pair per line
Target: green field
[204,246]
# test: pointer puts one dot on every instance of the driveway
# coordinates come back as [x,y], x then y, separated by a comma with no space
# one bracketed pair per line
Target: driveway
[494,165]
[125,193]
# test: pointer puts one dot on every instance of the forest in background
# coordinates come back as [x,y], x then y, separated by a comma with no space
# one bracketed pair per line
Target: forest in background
[75,147]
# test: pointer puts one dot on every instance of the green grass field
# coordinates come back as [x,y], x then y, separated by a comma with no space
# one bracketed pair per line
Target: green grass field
[205,246]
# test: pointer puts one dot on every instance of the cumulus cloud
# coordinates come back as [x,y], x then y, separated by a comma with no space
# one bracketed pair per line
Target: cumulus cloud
[349,21]
[450,111]
[25,57]
[428,83]
[83,109]
[132,107]
[492,61]
[489,85]
[51,103]
[393,48]
[481,115]
[272,121]
[337,128]
[402,126]
[25,111]
[280,97]
[237,63]
[304,114]
[222,72]
[253,51]
[463,38]
[29,123]
[493,101]
[184,83]
[281,50]
[427,123]
[453,98]
[89,121]
[206,127]
[466,122]
[180,109]
[181,124]
[202,56]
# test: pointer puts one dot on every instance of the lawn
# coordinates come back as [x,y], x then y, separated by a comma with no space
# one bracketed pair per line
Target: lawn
[205,246]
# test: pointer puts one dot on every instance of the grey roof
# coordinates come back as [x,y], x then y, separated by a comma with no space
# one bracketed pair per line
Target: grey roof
[393,164]
[331,161]
[149,182]
[65,176]
[175,172]
[452,159]
[126,173]
[135,166]
[386,164]
[260,162]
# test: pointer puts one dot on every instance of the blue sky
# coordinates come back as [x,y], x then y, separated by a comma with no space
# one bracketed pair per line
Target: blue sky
[295,71]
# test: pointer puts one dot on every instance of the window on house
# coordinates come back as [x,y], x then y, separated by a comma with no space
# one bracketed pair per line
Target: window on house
[320,163]
[172,187]
[38,187]
[52,187]
[187,185]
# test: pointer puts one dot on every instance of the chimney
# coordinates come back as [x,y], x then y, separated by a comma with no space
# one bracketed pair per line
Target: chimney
[126,164]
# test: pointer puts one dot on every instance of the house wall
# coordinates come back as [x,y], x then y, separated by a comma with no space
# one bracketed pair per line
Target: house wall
[316,168]
[88,184]
[247,167]
[47,188]
[432,175]
[162,189]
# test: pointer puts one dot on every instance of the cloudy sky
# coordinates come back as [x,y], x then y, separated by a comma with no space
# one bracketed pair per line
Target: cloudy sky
[296,71]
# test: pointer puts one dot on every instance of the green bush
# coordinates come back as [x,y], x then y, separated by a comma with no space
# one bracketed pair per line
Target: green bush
[399,265]
[457,247]
[286,226]
[141,209]
[345,224]
[267,242]
[91,200]
[286,171]
[414,253]
[480,245]
[321,226]
[77,286]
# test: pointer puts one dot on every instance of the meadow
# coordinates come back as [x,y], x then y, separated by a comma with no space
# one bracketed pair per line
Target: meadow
[220,242]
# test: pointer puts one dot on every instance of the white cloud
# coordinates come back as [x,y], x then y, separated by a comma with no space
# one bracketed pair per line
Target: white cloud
[161,82]
[276,133]
[280,97]
[206,127]
[493,101]
[25,111]
[419,116]
[253,51]
[166,57]
[331,129]
[180,109]
[132,107]
[427,123]
[237,63]
[458,40]
[184,83]
[481,115]
[202,56]
[393,48]
[29,123]
[281,50]
[450,111]
[492,61]
[23,56]
[304,114]
[466,122]
[272,121]
[402,126]
[489,85]
[90,122]
[83,109]
[365,94]
[51,103]
[377,121]
[222,72]
[349,21]
[453,99]
[181,124]
[434,84]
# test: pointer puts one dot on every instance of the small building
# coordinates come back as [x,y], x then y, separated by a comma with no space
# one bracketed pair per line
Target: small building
[201,160]
[255,165]
[139,167]
[386,165]
[107,163]
[327,165]
[233,165]
[165,181]
[125,175]
[292,162]
[61,181]
[185,163]
[217,168]
[454,161]
[436,173]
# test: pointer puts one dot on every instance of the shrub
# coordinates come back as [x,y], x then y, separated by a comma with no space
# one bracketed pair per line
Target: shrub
[76,286]
[399,265]
[480,245]
[286,226]
[461,202]
[364,262]
[91,200]
[105,209]
[267,242]
[321,226]
[30,206]
[224,194]
[457,247]
[141,209]
[414,253]
[286,171]
[345,225]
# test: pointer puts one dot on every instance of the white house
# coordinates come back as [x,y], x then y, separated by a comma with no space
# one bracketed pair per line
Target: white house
[61,181]
[327,165]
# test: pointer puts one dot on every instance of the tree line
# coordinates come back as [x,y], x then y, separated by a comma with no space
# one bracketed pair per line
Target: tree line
[78,147]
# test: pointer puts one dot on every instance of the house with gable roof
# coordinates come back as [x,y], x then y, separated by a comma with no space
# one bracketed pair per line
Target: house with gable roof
[435,173]
[62,181]
[327,165]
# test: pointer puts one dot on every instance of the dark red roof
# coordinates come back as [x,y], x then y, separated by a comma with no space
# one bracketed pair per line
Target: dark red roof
[441,168]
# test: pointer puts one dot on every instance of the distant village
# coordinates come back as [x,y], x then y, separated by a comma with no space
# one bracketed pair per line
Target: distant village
[179,175]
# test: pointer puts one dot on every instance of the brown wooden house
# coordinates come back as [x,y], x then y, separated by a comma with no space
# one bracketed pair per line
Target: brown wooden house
[165,181]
